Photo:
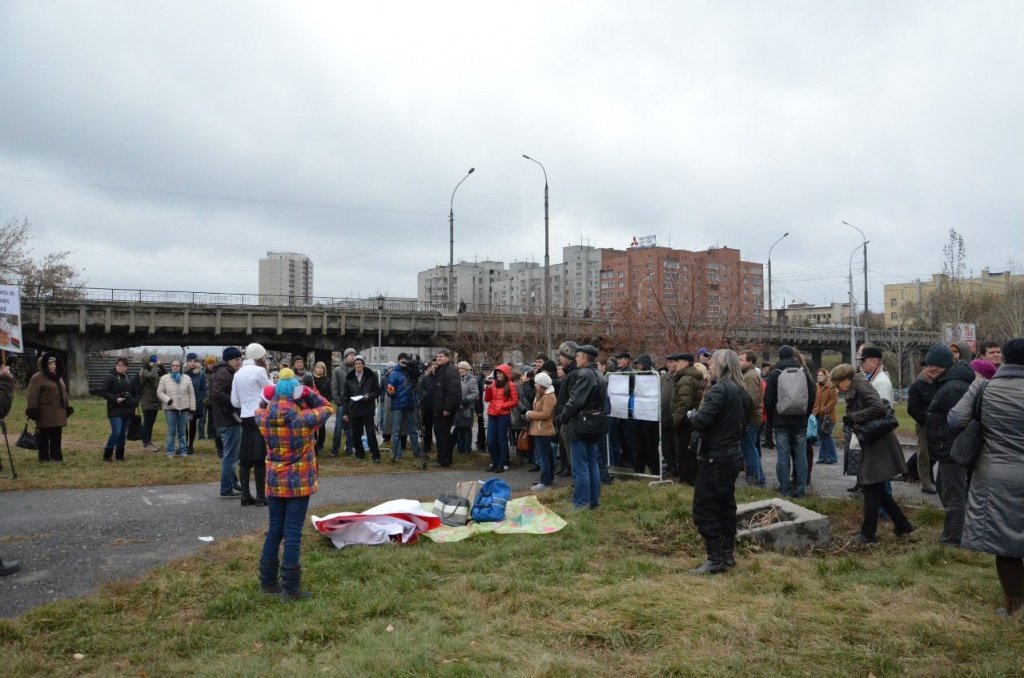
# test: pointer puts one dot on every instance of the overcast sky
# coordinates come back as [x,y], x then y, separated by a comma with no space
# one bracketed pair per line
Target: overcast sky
[170,145]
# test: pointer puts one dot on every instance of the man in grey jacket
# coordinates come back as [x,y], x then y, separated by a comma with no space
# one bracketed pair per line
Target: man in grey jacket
[338,378]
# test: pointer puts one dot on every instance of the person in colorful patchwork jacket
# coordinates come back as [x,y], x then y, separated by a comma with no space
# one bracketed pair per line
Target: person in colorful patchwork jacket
[289,423]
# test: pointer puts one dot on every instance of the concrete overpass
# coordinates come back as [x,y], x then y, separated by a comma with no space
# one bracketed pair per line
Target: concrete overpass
[106,320]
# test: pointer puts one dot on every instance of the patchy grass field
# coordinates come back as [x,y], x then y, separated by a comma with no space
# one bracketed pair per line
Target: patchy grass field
[83,466]
[606,596]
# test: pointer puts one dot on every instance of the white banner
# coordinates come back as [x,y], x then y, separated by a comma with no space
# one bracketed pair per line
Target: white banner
[10,319]
[646,395]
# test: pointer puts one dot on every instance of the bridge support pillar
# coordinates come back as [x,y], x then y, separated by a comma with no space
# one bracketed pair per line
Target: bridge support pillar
[815,355]
[76,363]
[322,355]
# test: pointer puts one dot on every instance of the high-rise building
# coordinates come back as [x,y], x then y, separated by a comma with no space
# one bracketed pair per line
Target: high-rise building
[473,283]
[286,278]
[712,285]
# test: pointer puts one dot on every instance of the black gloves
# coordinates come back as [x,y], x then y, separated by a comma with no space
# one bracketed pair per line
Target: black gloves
[847,421]
[170,402]
[32,413]
[69,410]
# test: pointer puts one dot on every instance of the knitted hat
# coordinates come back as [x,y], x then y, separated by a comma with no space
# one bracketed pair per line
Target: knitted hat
[984,368]
[298,359]
[286,373]
[360,359]
[348,352]
[1013,351]
[192,356]
[939,355]
[703,350]
[210,360]
[230,353]
[255,351]
[549,366]
[568,349]
[543,379]
[785,351]
[286,383]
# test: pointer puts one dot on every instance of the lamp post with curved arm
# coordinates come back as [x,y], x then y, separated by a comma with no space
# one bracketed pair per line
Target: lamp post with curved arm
[865,245]
[771,318]
[853,313]
[547,260]
[639,289]
[451,242]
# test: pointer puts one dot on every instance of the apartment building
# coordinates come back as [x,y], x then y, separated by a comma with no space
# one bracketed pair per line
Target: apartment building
[286,278]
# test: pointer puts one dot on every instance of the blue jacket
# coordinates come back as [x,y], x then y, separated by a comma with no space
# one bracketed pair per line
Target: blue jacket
[199,386]
[404,397]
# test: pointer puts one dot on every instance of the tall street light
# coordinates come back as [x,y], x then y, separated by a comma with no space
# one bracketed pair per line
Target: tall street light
[380,325]
[865,245]
[451,242]
[547,260]
[771,319]
[853,313]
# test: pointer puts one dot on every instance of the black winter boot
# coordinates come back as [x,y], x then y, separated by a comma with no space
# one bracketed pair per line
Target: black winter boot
[715,564]
[108,453]
[119,453]
[268,576]
[291,584]
[728,547]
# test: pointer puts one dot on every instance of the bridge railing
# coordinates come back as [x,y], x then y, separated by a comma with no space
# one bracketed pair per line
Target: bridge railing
[196,298]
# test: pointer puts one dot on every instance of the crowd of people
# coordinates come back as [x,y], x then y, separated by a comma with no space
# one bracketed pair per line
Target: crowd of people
[718,409]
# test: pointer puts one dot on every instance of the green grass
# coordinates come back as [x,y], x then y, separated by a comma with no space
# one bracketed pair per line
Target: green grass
[86,434]
[607,596]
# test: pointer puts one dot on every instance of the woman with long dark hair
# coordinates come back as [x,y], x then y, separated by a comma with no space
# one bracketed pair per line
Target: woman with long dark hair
[721,423]
[117,391]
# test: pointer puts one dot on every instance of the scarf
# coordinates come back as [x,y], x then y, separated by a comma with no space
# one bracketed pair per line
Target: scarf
[176,376]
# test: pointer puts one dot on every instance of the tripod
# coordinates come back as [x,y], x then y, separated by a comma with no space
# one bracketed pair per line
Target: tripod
[10,458]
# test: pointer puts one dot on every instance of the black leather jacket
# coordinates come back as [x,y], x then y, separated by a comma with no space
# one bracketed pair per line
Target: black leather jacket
[722,420]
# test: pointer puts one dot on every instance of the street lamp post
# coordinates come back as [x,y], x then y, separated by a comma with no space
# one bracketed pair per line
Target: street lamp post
[380,326]
[547,260]
[451,242]
[853,312]
[865,245]
[640,288]
[771,319]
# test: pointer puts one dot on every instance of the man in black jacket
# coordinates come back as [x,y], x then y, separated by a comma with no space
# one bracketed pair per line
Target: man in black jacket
[227,419]
[444,397]
[951,382]
[585,395]
[919,396]
[790,428]
[6,398]
[567,359]
[359,402]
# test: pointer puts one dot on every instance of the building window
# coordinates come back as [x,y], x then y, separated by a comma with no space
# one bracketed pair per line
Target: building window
[892,316]
[892,303]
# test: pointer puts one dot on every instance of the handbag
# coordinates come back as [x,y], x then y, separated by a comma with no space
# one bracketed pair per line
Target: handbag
[872,431]
[523,441]
[812,429]
[134,428]
[452,509]
[591,423]
[468,489]
[968,444]
[825,427]
[28,441]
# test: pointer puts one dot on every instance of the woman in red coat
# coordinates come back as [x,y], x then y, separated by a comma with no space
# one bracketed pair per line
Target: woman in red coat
[501,397]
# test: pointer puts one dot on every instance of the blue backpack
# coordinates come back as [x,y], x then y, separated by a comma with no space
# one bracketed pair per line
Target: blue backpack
[490,501]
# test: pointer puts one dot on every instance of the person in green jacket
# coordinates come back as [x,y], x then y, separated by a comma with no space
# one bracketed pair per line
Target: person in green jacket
[149,379]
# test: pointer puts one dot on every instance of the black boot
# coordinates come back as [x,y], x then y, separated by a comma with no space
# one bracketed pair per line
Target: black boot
[119,453]
[108,453]
[291,584]
[715,564]
[268,576]
[728,548]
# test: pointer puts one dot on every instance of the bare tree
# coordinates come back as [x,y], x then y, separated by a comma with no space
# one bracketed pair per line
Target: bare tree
[950,298]
[51,278]
[897,344]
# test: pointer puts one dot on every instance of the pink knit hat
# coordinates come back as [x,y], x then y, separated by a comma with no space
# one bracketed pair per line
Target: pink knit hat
[984,368]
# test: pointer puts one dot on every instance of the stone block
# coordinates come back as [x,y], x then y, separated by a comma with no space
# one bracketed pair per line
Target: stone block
[799,528]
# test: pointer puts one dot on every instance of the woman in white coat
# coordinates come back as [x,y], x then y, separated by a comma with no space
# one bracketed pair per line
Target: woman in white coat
[179,401]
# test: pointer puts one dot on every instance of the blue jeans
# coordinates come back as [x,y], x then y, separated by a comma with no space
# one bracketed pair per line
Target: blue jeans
[586,476]
[751,455]
[791,441]
[118,430]
[614,449]
[464,439]
[286,518]
[827,449]
[544,455]
[497,439]
[177,427]
[231,438]
[397,417]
